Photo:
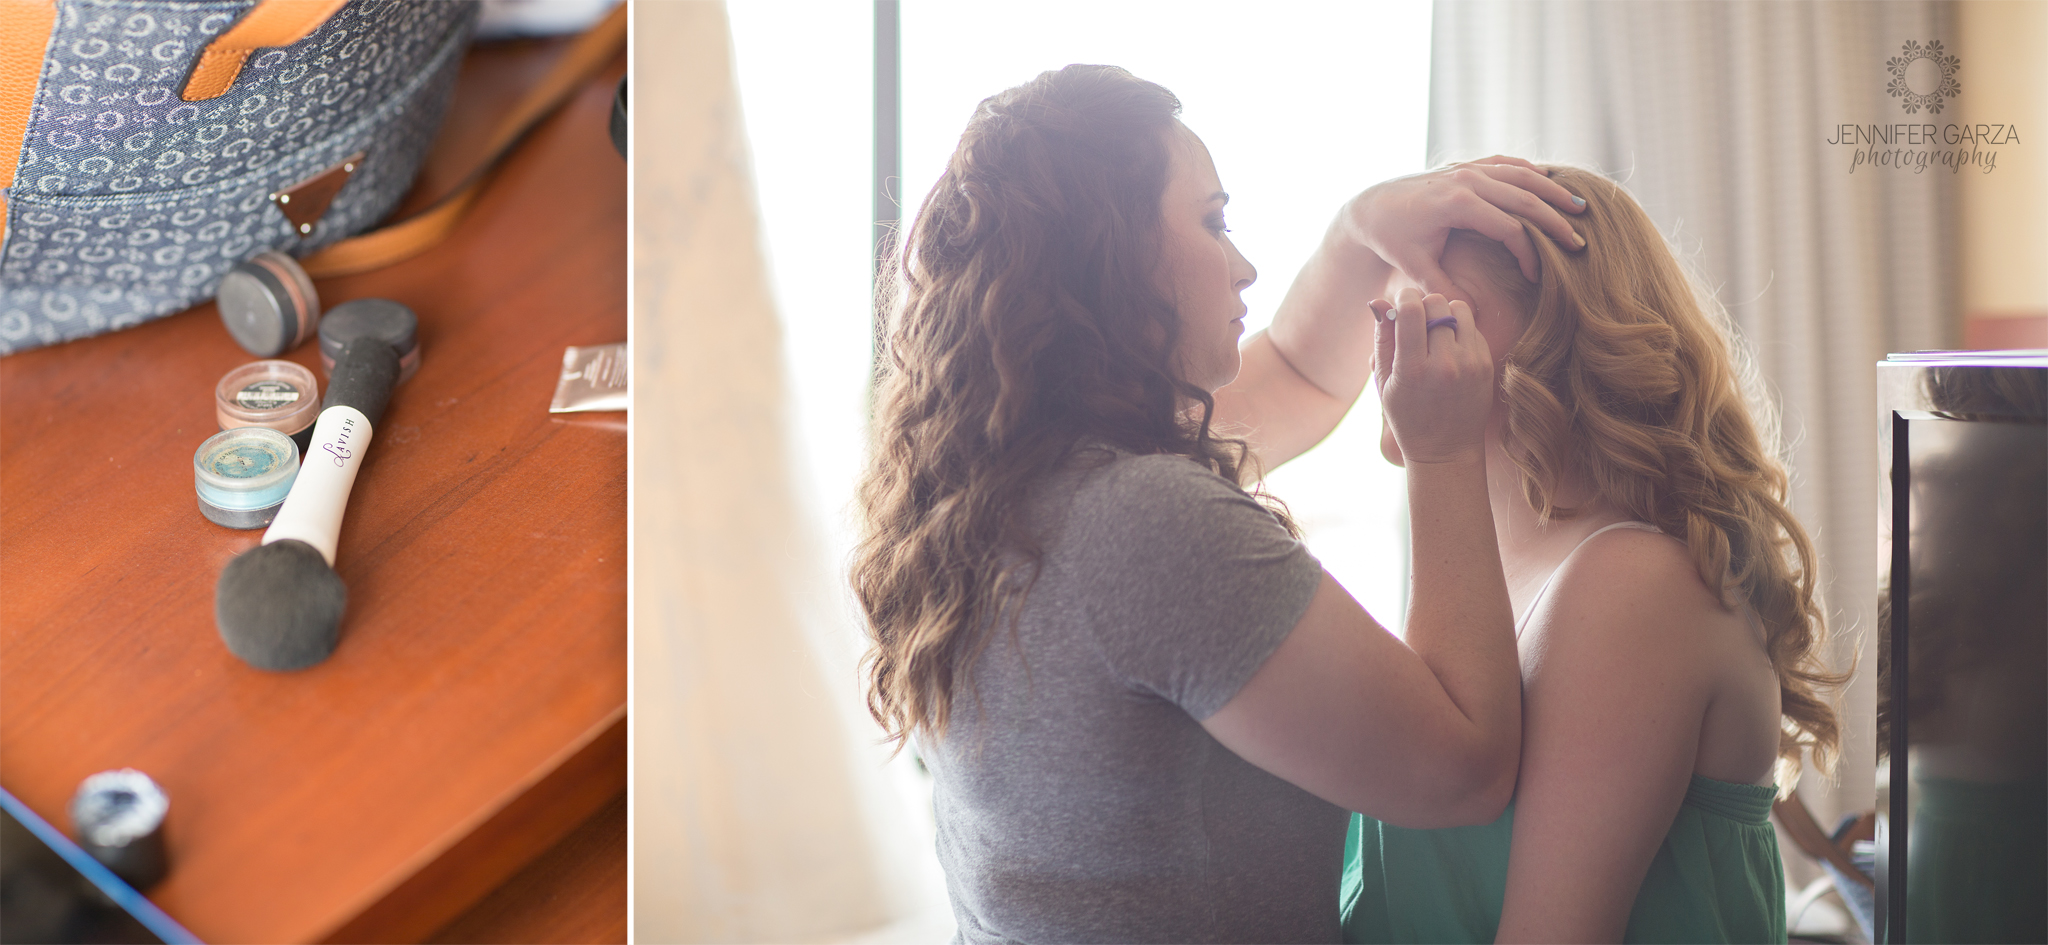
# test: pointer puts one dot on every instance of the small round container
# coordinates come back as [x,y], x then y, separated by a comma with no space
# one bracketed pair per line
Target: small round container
[242,475]
[379,318]
[268,304]
[119,816]
[279,395]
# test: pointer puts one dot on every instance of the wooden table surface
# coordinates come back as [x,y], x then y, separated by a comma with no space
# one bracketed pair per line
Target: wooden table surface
[474,712]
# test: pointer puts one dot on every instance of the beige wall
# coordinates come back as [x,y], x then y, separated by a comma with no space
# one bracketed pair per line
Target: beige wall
[2003,47]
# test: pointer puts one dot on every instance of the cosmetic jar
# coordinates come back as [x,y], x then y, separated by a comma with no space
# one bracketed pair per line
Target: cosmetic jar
[268,304]
[242,475]
[119,816]
[374,318]
[280,395]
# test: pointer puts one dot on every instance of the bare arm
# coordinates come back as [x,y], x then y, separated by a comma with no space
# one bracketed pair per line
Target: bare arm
[1614,699]
[1300,377]
[1424,734]
[1325,322]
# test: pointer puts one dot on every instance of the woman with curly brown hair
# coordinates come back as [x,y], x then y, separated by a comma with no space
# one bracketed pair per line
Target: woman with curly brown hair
[1669,633]
[1145,706]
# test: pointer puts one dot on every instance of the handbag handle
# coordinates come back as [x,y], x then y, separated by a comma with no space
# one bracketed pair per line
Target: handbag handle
[588,54]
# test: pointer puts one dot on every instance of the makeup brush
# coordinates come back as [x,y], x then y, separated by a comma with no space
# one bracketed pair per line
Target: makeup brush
[279,605]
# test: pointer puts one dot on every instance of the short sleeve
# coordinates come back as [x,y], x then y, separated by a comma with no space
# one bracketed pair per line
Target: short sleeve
[1187,584]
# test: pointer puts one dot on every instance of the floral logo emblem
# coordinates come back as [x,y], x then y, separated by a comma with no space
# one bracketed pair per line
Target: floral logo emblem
[1920,67]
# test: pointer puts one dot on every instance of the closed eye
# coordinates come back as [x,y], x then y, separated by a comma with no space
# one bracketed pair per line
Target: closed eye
[1214,221]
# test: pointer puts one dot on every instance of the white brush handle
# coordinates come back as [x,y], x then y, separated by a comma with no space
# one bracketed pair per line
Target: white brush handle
[312,512]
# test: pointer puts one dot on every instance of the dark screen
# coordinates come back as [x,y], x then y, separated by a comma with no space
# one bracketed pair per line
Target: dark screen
[1976,688]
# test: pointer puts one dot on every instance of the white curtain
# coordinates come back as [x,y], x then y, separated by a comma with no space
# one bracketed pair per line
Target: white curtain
[759,813]
[1717,117]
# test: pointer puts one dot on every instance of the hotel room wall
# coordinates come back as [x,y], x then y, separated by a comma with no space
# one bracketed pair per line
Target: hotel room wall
[2003,48]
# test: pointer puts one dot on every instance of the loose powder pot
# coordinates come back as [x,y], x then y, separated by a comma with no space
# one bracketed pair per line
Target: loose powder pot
[280,395]
[242,475]
[268,304]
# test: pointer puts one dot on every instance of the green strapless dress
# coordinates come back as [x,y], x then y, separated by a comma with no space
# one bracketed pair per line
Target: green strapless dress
[1715,878]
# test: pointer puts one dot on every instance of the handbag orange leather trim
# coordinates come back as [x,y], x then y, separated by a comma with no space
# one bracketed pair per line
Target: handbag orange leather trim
[24,33]
[270,23]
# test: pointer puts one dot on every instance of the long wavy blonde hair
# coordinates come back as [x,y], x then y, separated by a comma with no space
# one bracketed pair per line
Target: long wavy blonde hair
[1626,377]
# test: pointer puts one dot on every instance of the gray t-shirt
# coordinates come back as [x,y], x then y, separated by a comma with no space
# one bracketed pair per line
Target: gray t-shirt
[1078,798]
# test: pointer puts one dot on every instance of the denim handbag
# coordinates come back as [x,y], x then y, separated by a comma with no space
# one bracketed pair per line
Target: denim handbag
[166,141]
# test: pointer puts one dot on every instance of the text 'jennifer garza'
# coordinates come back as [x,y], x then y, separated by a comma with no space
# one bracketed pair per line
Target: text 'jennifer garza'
[1920,146]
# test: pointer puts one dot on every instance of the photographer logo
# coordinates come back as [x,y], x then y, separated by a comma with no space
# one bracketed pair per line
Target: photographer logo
[1922,76]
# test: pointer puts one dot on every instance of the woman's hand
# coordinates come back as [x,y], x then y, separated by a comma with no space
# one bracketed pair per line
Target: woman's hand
[1405,221]
[1435,374]
[1430,734]
[1301,376]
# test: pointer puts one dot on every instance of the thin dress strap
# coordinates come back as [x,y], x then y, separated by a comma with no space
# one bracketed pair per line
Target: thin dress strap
[1545,589]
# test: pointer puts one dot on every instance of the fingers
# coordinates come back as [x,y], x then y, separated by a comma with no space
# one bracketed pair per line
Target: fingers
[1461,315]
[1474,346]
[1527,195]
[1433,311]
[1411,339]
[1436,311]
[1433,279]
[1508,159]
[1482,216]
[1538,183]
[1438,317]
[1438,395]
[1421,265]
[1382,343]
[1469,338]
[1524,250]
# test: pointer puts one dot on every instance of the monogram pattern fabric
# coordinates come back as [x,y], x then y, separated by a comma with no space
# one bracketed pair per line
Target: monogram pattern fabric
[130,203]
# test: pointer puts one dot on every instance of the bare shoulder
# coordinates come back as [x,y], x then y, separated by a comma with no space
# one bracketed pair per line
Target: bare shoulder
[1634,594]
